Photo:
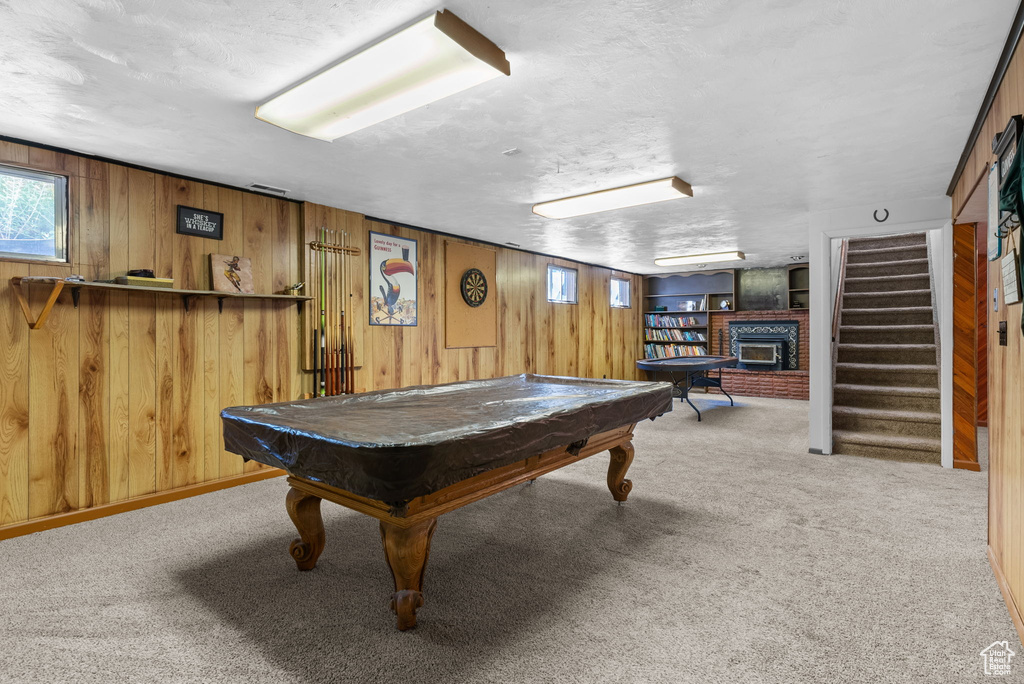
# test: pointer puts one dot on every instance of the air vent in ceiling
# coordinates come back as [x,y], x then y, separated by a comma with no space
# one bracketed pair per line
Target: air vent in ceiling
[269,189]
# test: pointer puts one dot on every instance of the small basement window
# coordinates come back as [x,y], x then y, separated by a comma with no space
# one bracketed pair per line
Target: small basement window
[561,284]
[33,215]
[620,293]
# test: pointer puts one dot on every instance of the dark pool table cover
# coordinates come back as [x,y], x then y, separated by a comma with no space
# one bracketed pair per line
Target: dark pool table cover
[395,445]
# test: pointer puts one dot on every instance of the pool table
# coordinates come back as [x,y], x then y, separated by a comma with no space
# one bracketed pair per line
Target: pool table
[410,455]
[687,372]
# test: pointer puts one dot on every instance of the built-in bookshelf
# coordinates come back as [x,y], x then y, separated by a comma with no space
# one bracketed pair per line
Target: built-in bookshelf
[676,310]
[799,293]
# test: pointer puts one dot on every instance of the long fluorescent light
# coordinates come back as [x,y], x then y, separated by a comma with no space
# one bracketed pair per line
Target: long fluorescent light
[699,258]
[432,59]
[616,198]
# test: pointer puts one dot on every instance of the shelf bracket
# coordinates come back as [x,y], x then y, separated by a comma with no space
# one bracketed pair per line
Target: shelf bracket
[76,295]
[220,304]
[187,301]
[36,323]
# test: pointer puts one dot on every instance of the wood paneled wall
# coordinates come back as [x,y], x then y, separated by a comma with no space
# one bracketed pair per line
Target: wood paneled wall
[588,339]
[965,348]
[1005,372]
[118,400]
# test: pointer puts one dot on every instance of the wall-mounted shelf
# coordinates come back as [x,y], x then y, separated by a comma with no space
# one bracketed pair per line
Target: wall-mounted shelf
[187,296]
[799,281]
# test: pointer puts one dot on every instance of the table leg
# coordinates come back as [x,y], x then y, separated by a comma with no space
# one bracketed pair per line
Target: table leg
[731,402]
[622,457]
[686,393]
[304,510]
[406,550]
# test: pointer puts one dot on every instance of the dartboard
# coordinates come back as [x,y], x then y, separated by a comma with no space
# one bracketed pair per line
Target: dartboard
[474,287]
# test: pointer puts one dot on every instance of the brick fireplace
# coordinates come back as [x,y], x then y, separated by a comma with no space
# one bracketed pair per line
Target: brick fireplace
[784,384]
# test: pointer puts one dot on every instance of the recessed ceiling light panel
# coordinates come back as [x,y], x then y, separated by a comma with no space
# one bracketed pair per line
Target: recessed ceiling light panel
[699,258]
[436,57]
[616,198]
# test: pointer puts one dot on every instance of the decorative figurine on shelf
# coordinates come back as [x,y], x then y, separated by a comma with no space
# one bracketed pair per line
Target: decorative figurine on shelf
[725,305]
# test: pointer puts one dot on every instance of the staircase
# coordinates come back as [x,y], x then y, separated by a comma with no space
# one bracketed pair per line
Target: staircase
[886,390]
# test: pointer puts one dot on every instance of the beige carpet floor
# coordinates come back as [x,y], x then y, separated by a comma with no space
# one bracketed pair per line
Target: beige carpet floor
[739,558]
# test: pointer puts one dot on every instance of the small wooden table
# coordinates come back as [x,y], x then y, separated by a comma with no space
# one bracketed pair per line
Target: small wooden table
[459,443]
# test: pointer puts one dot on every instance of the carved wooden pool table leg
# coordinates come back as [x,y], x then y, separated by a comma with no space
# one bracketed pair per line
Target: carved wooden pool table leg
[622,457]
[406,550]
[304,510]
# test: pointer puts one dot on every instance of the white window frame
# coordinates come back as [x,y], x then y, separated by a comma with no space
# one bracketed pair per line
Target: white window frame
[574,295]
[61,224]
[629,293]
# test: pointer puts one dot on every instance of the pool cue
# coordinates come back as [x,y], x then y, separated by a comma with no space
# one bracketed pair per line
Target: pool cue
[350,372]
[320,341]
[312,308]
[339,328]
[338,314]
[331,303]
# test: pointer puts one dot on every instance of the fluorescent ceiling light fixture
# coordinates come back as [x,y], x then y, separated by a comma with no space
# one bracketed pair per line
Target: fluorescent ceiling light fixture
[699,258]
[432,59]
[617,198]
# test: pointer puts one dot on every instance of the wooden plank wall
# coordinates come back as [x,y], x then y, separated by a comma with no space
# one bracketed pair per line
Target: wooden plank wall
[965,348]
[1005,373]
[588,339]
[120,397]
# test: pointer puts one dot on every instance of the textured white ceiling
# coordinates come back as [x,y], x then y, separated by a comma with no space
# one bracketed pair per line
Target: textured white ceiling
[769,108]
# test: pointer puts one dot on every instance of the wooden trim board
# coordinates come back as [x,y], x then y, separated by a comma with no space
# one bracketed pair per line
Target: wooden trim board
[85,514]
[1011,605]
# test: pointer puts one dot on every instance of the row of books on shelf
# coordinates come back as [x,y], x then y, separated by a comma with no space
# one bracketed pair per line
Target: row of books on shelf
[661,321]
[665,351]
[673,335]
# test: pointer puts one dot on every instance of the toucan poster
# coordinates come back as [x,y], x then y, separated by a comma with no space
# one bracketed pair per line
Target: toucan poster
[392,280]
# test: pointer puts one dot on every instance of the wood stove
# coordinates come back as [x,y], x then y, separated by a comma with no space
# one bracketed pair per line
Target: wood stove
[765,345]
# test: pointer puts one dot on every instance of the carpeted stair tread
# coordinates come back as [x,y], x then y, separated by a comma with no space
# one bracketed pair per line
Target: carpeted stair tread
[905,239]
[888,390]
[885,294]
[888,345]
[913,327]
[889,310]
[864,265]
[887,278]
[889,367]
[885,250]
[903,442]
[887,414]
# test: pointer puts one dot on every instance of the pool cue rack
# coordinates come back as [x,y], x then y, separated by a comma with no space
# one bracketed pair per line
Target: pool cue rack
[331,323]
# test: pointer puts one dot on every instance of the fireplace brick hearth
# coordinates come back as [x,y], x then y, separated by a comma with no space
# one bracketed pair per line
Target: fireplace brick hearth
[788,384]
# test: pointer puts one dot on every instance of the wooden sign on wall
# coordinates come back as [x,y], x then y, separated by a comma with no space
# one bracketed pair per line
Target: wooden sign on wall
[470,317]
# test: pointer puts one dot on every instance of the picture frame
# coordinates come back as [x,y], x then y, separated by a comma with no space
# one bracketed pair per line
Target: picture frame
[394,274]
[200,223]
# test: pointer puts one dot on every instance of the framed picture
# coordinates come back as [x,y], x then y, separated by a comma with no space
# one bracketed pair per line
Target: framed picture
[1011,283]
[393,274]
[200,223]
[231,274]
